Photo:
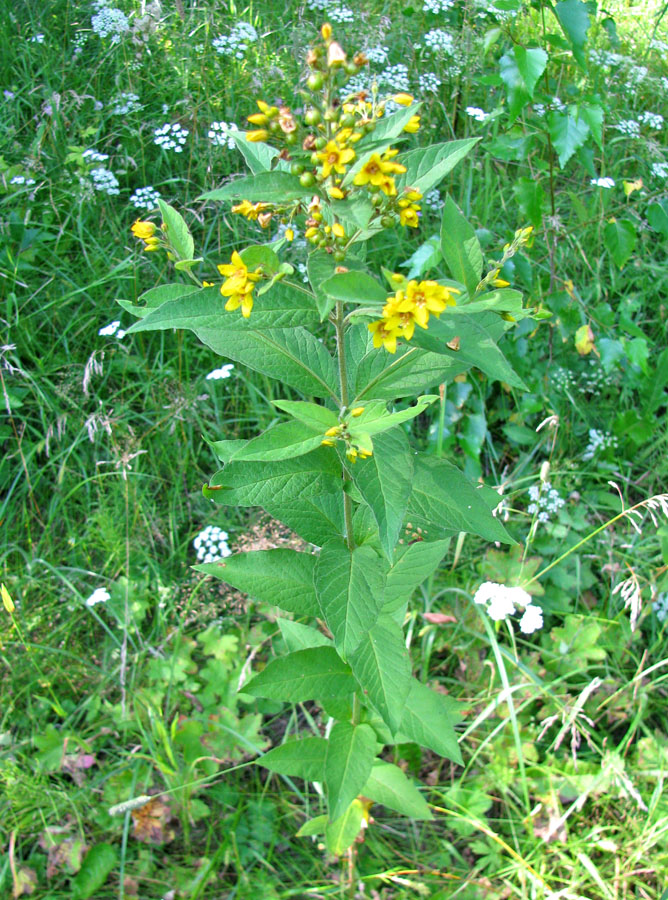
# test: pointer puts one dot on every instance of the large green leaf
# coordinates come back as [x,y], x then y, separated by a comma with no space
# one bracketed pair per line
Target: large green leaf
[301,637]
[384,481]
[383,670]
[573,17]
[316,519]
[303,759]
[426,168]
[339,835]
[303,675]
[567,133]
[317,417]
[375,418]
[283,441]
[429,719]
[520,70]
[413,563]
[460,247]
[387,784]
[530,198]
[349,586]
[473,339]
[444,502]
[620,239]
[531,63]
[355,287]
[402,374]
[267,187]
[283,306]
[260,157]
[350,753]
[177,232]
[155,297]
[282,577]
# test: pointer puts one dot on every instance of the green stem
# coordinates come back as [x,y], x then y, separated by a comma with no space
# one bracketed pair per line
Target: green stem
[343,384]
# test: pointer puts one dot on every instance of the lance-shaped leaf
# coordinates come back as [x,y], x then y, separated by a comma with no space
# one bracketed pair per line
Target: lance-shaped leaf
[177,232]
[155,297]
[573,17]
[387,784]
[472,339]
[267,187]
[413,563]
[301,637]
[349,586]
[429,719]
[444,502]
[260,157]
[503,300]
[384,481]
[355,287]
[282,577]
[258,483]
[321,266]
[350,753]
[339,835]
[426,168]
[317,417]
[382,668]
[303,759]
[374,419]
[316,519]
[283,441]
[402,374]
[304,675]
[460,247]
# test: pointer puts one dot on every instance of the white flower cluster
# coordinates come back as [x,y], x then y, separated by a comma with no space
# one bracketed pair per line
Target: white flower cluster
[303,271]
[104,180]
[429,82]
[664,82]
[599,440]
[476,113]
[8,95]
[651,119]
[21,179]
[318,5]
[629,127]
[439,41]
[340,14]
[438,6]
[113,329]
[358,83]
[125,103]
[545,500]
[433,200]
[636,74]
[171,137]
[99,595]
[603,182]
[236,42]
[94,156]
[110,22]
[502,601]
[219,134]
[37,39]
[660,606]
[377,55]
[659,170]
[211,544]
[590,381]
[145,198]
[224,372]
[395,77]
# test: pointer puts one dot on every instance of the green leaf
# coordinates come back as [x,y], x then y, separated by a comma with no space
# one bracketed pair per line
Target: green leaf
[502,300]
[429,719]
[444,502]
[413,563]
[530,198]
[314,826]
[619,237]
[283,441]
[387,130]
[657,216]
[155,297]
[319,418]
[350,753]
[384,481]
[301,637]
[574,20]
[567,134]
[375,418]
[426,168]
[96,867]
[266,187]
[387,784]
[520,71]
[403,374]
[593,116]
[383,670]
[178,233]
[303,675]
[426,257]
[531,63]
[259,157]
[282,577]
[203,310]
[355,287]
[339,835]
[349,586]
[460,247]
[301,758]
[316,519]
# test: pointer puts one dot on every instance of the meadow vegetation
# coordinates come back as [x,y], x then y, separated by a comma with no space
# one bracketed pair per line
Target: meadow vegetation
[128,747]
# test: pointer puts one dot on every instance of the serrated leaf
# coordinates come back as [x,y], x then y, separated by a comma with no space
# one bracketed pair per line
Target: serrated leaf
[444,502]
[567,134]
[429,719]
[284,441]
[267,187]
[178,233]
[413,563]
[387,784]
[96,867]
[593,116]
[619,237]
[350,753]
[531,63]
[349,587]
[382,668]
[303,758]
[303,675]
[530,198]
[282,577]
[301,637]
[339,835]
[426,168]
[460,247]
[573,17]
[384,481]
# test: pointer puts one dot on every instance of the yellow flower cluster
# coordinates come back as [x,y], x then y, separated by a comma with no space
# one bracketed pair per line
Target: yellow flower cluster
[409,209]
[254,211]
[145,231]
[377,172]
[411,305]
[239,284]
[335,156]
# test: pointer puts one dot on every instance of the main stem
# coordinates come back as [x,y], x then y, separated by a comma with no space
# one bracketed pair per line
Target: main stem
[343,387]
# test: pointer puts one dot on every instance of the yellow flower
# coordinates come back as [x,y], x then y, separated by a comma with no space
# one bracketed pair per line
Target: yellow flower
[385,334]
[269,111]
[256,136]
[378,172]
[289,234]
[424,298]
[207,284]
[338,230]
[334,156]
[403,99]
[7,601]
[408,208]
[143,230]
[336,193]
[239,284]
[249,210]
[412,125]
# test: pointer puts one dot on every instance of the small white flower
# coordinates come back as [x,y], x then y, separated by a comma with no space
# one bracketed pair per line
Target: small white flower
[476,113]
[105,181]
[224,372]
[171,137]
[377,54]
[145,198]
[113,329]
[518,595]
[500,607]
[603,182]
[99,595]
[94,156]
[532,619]
[429,82]
[211,544]
[125,103]
[220,134]
[659,170]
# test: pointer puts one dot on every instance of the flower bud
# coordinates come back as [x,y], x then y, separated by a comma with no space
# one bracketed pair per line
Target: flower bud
[258,119]
[256,136]
[357,411]
[326,32]
[403,99]
[335,55]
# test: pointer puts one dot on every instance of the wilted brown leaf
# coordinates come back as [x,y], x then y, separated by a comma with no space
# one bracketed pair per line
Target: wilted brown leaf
[151,823]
